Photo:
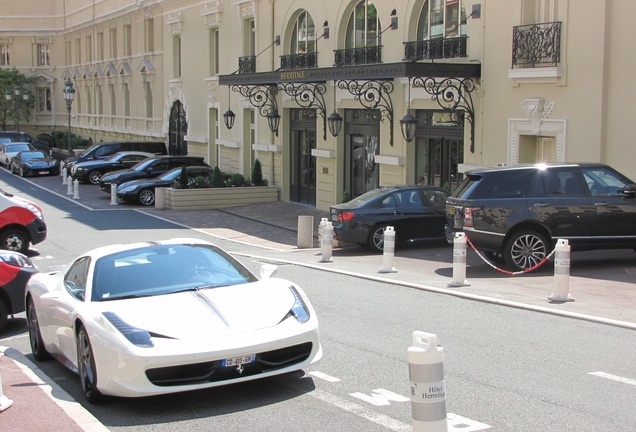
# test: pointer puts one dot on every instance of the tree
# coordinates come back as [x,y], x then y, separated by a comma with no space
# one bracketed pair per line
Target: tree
[9,79]
[257,174]
[217,178]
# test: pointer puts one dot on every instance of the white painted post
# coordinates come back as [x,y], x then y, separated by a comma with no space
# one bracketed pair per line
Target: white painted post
[459,261]
[69,189]
[5,402]
[113,194]
[326,243]
[388,251]
[76,189]
[561,273]
[160,198]
[63,172]
[428,388]
[305,232]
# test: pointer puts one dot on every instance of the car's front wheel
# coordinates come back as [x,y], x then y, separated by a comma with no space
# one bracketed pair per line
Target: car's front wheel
[15,240]
[525,249]
[376,238]
[147,197]
[94,176]
[35,335]
[86,366]
[21,172]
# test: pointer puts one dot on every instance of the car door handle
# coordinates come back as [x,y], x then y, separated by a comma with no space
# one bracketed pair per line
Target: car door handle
[601,204]
[540,204]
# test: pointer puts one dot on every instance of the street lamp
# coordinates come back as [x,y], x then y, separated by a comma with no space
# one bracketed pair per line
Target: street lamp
[69,95]
[15,97]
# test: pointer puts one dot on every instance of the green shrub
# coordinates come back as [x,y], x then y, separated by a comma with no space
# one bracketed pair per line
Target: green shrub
[257,174]
[217,178]
[237,180]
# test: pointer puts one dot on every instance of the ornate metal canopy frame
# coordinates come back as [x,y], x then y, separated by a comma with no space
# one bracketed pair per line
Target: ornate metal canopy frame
[451,94]
[372,94]
[309,95]
[262,97]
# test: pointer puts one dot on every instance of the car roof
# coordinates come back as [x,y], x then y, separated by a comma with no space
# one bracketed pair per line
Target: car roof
[504,167]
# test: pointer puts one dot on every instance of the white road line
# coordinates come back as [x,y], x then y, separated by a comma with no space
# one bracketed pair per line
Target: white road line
[614,377]
[324,377]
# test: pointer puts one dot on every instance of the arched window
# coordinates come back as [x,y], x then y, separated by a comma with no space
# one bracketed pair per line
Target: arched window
[303,35]
[363,28]
[441,18]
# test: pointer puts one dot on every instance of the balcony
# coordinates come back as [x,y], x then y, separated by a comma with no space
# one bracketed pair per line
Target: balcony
[247,64]
[436,48]
[299,61]
[358,56]
[536,45]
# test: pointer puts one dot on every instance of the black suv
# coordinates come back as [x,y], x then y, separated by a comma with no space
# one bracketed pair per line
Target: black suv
[518,212]
[148,168]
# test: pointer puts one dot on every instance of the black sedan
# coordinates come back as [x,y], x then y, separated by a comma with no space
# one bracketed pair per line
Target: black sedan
[91,171]
[148,168]
[143,191]
[34,163]
[417,213]
[15,271]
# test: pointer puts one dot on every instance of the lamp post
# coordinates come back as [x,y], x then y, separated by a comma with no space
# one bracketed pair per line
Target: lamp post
[15,97]
[69,95]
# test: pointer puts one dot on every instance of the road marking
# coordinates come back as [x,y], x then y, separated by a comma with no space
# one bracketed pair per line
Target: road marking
[380,397]
[456,422]
[324,377]
[614,377]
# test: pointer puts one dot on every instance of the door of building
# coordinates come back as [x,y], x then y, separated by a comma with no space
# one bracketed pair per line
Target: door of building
[362,140]
[177,145]
[303,164]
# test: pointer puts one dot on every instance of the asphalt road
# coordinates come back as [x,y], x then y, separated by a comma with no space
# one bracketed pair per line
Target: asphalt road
[505,368]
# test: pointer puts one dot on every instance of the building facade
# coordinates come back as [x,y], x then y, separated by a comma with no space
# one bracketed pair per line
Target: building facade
[320,91]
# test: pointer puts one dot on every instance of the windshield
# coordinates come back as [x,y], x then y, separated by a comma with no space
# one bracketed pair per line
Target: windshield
[171,175]
[164,269]
[15,148]
[32,155]
[140,166]
[368,196]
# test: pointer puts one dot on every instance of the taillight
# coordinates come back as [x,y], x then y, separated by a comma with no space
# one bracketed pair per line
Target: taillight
[468,215]
[345,216]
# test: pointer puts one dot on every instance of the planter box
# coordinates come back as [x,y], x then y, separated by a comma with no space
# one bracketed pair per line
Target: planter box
[213,198]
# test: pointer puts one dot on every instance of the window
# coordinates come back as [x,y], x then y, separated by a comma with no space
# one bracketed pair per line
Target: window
[547,11]
[127,39]
[100,46]
[67,52]
[5,55]
[304,35]
[362,30]
[77,277]
[89,48]
[176,51]
[78,51]
[113,100]
[148,94]
[43,54]
[149,34]
[441,18]
[113,43]
[126,92]
[44,99]
[214,51]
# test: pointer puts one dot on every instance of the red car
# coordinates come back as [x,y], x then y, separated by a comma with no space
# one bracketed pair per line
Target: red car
[15,271]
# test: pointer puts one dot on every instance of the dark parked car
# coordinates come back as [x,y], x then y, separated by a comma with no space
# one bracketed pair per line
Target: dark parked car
[34,163]
[417,213]
[36,143]
[143,191]
[10,149]
[15,271]
[517,213]
[149,168]
[91,171]
[104,149]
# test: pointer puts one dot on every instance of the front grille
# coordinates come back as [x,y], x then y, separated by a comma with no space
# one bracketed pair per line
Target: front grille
[196,373]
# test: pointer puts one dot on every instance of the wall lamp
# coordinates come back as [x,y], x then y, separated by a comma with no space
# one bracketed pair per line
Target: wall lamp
[229,116]
[273,120]
[408,124]
[334,121]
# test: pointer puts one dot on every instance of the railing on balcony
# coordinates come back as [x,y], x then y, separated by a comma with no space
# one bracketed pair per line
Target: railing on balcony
[358,56]
[299,61]
[247,64]
[436,48]
[536,45]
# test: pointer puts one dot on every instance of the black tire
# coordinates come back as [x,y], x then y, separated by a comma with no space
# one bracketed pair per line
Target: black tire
[376,239]
[86,367]
[35,335]
[11,169]
[525,249]
[4,315]
[14,239]
[147,197]
[94,176]
[21,172]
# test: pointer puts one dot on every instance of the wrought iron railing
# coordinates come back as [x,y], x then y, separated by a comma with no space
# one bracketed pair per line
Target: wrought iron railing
[358,56]
[247,64]
[299,61]
[536,45]
[436,48]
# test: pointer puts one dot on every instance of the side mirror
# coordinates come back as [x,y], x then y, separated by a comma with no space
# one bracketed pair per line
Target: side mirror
[268,270]
[629,190]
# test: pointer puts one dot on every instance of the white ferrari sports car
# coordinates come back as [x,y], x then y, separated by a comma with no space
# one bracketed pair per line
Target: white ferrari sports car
[169,316]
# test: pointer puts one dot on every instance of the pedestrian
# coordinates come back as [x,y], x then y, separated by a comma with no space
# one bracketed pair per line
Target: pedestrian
[421,181]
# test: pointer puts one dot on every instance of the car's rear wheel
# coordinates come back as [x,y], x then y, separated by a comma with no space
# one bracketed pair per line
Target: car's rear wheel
[15,240]
[376,238]
[86,366]
[35,335]
[147,197]
[525,249]
[94,176]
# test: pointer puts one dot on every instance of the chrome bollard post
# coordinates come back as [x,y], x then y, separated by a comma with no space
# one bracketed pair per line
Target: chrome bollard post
[76,194]
[326,243]
[69,186]
[561,273]
[459,261]
[388,251]
[113,194]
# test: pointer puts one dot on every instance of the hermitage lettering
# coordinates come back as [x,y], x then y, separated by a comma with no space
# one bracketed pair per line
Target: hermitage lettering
[292,75]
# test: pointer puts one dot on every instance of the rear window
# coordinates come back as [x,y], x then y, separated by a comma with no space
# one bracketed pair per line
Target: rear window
[492,185]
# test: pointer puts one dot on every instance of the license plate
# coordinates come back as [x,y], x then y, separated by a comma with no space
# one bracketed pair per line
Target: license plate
[43,172]
[451,211]
[236,361]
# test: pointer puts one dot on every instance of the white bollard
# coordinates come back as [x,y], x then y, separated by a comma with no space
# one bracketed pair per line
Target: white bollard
[160,198]
[459,261]
[388,251]
[69,188]
[428,388]
[5,402]
[113,194]
[76,189]
[63,171]
[305,237]
[326,243]
[321,225]
[561,273]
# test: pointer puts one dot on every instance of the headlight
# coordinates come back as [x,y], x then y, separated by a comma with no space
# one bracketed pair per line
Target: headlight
[36,211]
[124,188]
[16,259]
[76,170]
[299,310]
[135,335]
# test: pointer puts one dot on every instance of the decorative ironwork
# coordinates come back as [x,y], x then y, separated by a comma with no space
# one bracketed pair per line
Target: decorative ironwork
[262,97]
[452,94]
[247,64]
[372,95]
[358,56]
[299,61]
[308,96]
[436,48]
[536,45]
